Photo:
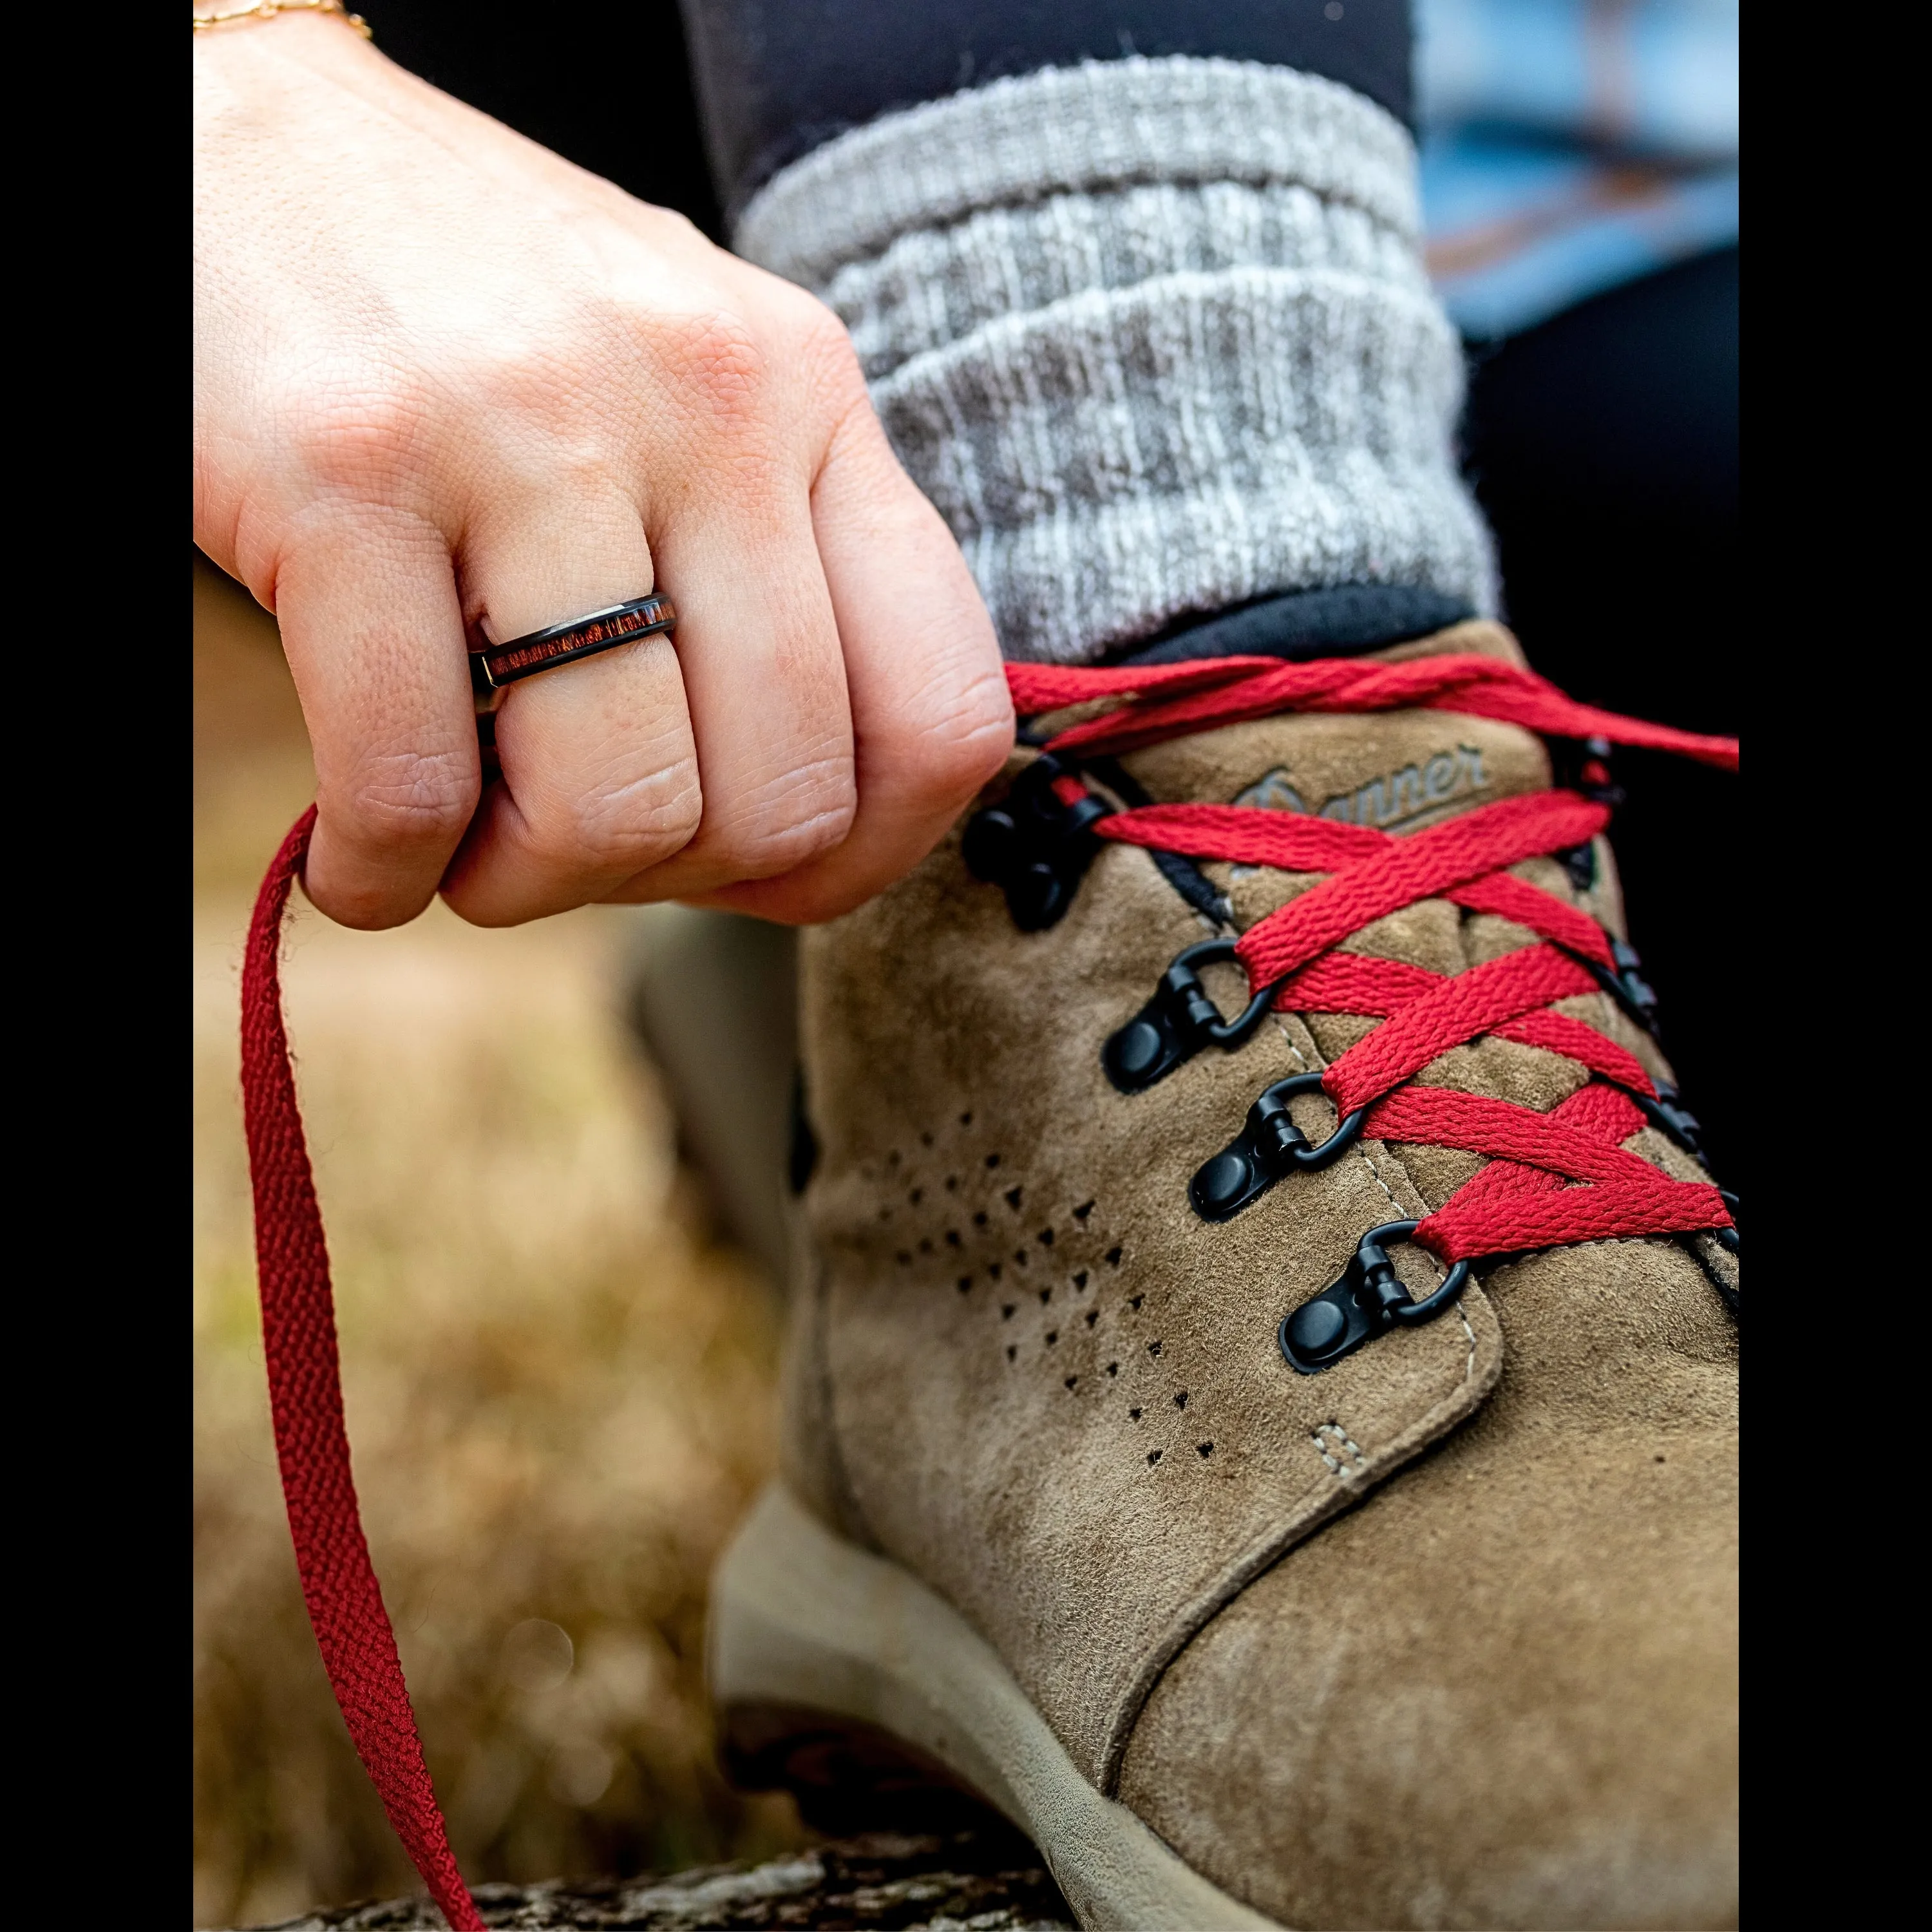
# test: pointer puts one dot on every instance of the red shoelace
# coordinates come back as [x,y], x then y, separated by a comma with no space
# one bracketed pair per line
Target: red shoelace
[345,1602]
[1552,1178]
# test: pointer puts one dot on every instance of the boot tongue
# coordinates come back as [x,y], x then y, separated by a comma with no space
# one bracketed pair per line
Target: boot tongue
[1395,771]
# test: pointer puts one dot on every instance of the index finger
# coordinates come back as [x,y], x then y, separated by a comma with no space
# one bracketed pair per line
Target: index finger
[373,629]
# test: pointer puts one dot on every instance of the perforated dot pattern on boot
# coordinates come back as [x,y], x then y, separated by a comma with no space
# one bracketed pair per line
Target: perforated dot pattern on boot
[955,1202]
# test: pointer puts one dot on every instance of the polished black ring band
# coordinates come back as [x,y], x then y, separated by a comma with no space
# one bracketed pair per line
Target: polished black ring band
[492,666]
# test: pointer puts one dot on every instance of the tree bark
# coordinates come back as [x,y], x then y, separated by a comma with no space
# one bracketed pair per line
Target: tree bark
[991,1881]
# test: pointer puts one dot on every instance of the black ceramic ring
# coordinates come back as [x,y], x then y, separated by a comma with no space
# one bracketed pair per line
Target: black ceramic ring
[492,666]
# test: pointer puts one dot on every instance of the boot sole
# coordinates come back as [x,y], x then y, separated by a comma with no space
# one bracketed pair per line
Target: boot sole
[828,1663]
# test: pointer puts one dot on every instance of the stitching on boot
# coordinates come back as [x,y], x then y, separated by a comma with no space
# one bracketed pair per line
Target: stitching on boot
[1288,1040]
[1469,1334]
[1368,1160]
[1302,1061]
[1358,1463]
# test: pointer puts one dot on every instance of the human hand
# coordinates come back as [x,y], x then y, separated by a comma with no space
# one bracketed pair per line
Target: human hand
[444,380]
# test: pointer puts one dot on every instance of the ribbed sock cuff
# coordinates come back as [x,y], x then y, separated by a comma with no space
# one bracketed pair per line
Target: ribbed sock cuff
[1154,335]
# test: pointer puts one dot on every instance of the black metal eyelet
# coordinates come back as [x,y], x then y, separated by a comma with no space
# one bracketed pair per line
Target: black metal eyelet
[1582,765]
[1269,1147]
[1669,1116]
[1727,1238]
[1033,846]
[1579,861]
[1367,1301]
[1179,1021]
[1623,981]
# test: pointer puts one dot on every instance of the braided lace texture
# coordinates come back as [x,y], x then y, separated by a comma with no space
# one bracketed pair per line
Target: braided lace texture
[345,1601]
[1553,1178]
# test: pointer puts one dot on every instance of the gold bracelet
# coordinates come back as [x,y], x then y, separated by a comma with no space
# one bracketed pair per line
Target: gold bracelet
[267,10]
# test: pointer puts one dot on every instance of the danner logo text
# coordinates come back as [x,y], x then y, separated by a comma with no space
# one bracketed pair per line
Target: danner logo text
[1384,803]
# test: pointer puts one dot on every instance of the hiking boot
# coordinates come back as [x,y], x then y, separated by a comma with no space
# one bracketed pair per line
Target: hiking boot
[1275,1444]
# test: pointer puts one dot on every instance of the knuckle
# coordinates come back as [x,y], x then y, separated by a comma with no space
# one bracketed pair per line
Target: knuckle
[820,339]
[824,364]
[669,226]
[407,801]
[807,811]
[359,438]
[961,740]
[721,371]
[625,826]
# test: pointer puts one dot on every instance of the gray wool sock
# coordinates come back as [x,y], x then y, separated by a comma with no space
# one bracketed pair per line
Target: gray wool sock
[1154,335]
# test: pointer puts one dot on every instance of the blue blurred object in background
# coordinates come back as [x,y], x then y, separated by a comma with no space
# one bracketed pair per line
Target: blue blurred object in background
[1569,146]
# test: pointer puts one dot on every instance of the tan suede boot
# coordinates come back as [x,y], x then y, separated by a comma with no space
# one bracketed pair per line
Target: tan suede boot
[1262,1574]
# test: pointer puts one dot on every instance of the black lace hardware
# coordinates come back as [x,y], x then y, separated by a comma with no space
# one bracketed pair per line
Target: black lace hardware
[1727,1238]
[1367,1301]
[1582,765]
[1623,981]
[1033,845]
[1269,1147]
[1179,1021]
[1669,1116]
[1580,862]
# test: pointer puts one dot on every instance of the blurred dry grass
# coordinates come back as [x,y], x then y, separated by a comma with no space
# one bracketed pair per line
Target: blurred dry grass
[558,1390]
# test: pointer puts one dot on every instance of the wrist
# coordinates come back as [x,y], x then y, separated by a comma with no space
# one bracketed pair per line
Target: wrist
[259,66]
[213,16]
[293,37]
